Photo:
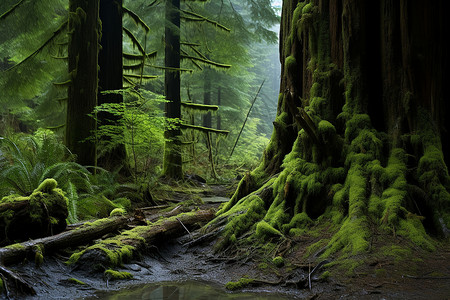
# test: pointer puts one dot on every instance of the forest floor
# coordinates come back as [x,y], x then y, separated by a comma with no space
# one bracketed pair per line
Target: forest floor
[398,274]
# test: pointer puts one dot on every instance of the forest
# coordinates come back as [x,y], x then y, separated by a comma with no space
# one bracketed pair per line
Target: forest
[224,149]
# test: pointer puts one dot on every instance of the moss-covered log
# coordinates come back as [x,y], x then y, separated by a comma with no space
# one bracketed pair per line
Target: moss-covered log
[114,251]
[366,153]
[42,213]
[35,249]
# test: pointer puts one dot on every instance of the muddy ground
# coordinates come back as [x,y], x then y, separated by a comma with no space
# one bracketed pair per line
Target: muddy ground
[418,275]
[427,279]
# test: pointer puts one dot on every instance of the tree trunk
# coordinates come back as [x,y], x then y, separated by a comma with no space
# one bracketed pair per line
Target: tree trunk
[207,120]
[219,103]
[111,77]
[82,92]
[360,120]
[173,165]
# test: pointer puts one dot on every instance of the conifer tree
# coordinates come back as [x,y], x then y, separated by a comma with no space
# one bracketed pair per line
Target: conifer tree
[84,35]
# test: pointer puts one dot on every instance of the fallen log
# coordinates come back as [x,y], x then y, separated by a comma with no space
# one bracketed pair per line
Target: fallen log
[84,234]
[114,251]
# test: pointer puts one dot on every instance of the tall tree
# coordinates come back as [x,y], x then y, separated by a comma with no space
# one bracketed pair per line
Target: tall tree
[172,149]
[360,129]
[83,69]
[110,64]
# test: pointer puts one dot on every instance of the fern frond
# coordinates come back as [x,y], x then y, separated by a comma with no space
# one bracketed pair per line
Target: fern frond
[72,197]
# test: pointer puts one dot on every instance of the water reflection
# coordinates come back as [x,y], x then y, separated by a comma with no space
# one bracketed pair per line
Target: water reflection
[180,291]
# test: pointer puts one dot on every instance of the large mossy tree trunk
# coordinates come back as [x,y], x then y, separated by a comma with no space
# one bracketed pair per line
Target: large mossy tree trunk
[360,129]
[110,64]
[83,65]
[173,167]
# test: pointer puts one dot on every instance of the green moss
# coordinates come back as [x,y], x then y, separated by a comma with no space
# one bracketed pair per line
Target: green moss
[38,254]
[399,253]
[112,274]
[278,261]
[265,230]
[352,238]
[2,285]
[236,285]
[307,8]
[245,214]
[413,229]
[325,275]
[326,128]
[118,212]
[17,246]
[115,251]
[290,66]
[47,186]
[76,281]
[263,266]
[299,221]
[357,123]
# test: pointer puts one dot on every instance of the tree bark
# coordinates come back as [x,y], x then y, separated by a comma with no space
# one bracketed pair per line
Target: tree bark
[207,119]
[369,101]
[82,92]
[110,64]
[173,165]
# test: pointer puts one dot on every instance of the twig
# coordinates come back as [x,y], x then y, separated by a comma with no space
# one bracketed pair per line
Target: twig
[190,234]
[309,276]
[246,118]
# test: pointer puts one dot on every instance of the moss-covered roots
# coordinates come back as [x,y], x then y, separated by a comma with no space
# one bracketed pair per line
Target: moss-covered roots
[349,175]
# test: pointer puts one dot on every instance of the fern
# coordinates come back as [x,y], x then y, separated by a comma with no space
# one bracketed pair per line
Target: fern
[29,161]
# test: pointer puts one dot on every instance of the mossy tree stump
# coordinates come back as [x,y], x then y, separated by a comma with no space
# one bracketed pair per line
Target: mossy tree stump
[40,214]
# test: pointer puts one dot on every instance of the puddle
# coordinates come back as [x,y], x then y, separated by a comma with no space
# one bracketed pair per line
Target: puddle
[181,291]
[215,199]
